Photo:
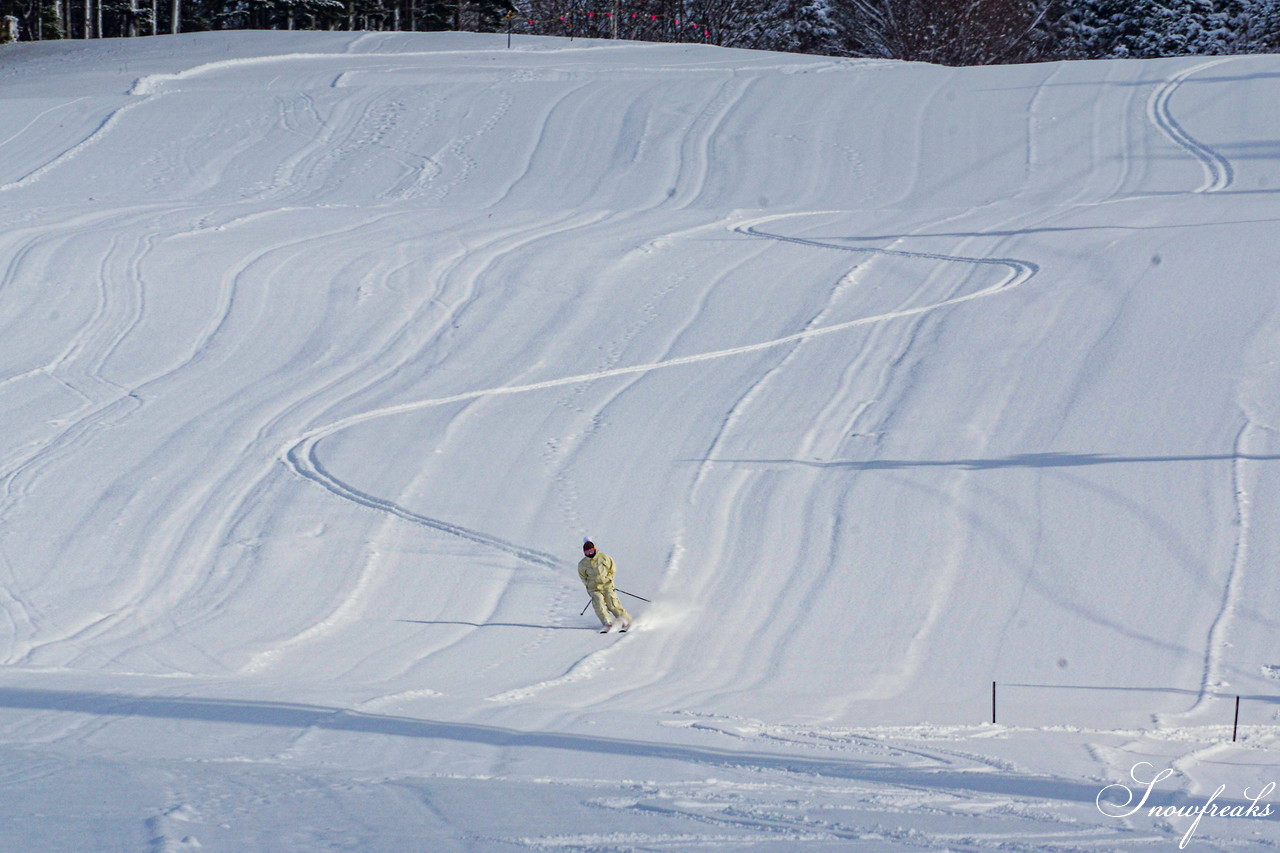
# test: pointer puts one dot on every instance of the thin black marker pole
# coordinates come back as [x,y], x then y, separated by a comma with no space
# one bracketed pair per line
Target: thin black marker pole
[993,703]
[1235,727]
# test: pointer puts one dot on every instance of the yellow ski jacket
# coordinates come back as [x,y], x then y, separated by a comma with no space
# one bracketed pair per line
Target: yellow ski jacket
[596,572]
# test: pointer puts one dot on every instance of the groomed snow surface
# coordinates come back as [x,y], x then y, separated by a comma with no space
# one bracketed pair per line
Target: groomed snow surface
[320,353]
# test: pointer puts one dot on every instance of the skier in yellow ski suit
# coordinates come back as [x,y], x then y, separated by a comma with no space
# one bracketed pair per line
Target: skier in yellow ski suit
[596,571]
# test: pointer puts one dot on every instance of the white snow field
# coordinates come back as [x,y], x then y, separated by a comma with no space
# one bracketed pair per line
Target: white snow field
[321,352]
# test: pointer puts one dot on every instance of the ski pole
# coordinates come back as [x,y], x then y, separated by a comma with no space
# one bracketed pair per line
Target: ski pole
[623,591]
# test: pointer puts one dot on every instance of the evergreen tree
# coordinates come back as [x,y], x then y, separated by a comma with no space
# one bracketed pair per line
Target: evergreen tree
[1267,25]
[1151,28]
[35,19]
[1177,28]
[796,26]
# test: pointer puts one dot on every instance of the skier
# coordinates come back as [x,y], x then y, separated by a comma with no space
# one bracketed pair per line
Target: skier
[596,571]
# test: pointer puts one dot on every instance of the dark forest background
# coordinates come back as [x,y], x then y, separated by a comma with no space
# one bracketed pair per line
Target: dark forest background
[952,32]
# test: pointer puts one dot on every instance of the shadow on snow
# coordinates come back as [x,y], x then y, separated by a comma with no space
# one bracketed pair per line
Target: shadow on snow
[303,716]
[1018,460]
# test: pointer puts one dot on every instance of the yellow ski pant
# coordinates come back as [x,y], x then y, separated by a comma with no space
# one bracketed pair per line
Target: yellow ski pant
[604,599]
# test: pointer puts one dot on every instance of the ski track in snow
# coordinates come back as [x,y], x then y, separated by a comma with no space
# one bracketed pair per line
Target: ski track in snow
[112,120]
[175,531]
[1218,173]
[196,528]
[1242,487]
[1218,176]
[302,456]
[734,493]
[1115,762]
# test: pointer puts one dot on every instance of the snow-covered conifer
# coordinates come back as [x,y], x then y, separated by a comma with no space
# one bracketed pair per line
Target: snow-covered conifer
[798,26]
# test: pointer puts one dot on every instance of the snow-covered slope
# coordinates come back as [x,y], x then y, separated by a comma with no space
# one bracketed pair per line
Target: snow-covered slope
[320,353]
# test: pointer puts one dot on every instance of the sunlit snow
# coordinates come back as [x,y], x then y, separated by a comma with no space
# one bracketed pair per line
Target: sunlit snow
[321,352]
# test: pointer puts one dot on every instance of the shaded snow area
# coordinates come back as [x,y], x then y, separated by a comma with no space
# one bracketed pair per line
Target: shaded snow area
[321,352]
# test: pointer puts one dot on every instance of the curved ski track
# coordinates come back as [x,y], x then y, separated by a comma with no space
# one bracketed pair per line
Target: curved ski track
[301,455]
[1218,174]
[113,322]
